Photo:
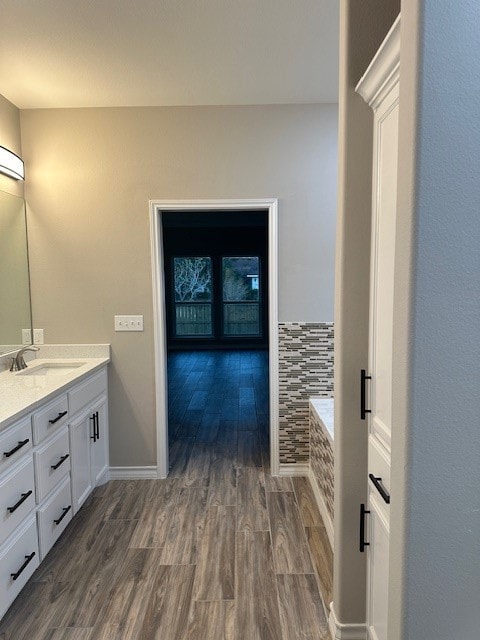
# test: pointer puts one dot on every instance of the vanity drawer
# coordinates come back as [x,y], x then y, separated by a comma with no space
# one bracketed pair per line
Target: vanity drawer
[49,418]
[14,443]
[17,497]
[52,463]
[84,393]
[53,516]
[18,560]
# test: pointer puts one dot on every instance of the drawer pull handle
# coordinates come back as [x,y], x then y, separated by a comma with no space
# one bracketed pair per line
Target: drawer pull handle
[97,425]
[363,542]
[28,559]
[94,437]
[59,417]
[21,501]
[21,444]
[380,488]
[61,461]
[363,394]
[64,513]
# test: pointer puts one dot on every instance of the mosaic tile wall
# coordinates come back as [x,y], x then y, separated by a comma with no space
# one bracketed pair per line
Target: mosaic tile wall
[305,370]
[321,451]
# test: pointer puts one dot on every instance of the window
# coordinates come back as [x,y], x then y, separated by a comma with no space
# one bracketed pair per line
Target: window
[192,282]
[215,299]
[241,296]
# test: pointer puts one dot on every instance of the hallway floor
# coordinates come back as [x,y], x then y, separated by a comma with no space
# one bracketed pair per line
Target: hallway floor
[215,395]
[218,551]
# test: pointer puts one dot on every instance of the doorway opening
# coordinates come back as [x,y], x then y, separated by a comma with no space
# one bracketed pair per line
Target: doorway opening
[216,293]
[214,269]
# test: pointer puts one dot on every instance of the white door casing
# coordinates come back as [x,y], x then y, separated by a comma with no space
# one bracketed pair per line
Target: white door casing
[270,205]
[380,88]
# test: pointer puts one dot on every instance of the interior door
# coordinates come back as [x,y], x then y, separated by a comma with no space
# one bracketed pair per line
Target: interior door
[380,360]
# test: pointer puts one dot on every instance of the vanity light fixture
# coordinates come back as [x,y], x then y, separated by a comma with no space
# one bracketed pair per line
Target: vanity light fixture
[11,164]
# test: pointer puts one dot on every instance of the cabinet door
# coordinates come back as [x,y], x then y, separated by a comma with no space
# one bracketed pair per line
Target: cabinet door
[381,355]
[377,597]
[81,432]
[380,88]
[99,444]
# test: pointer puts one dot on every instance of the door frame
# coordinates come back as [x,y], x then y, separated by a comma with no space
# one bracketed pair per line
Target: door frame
[157,207]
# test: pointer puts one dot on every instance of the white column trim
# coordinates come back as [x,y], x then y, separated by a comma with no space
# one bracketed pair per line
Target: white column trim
[340,631]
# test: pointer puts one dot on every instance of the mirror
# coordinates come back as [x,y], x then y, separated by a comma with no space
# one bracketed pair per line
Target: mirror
[15,310]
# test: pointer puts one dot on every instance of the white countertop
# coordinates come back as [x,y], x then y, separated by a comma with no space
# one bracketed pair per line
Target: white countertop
[20,394]
[323,407]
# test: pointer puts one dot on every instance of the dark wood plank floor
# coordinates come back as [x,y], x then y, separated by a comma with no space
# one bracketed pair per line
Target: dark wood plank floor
[218,551]
[213,395]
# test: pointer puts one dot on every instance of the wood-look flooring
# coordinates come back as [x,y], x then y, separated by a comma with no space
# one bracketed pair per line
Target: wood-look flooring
[218,551]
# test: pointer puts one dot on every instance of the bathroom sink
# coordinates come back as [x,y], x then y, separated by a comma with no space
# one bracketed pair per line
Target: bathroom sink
[50,369]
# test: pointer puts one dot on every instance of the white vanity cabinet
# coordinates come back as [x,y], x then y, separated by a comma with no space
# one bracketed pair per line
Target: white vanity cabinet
[50,461]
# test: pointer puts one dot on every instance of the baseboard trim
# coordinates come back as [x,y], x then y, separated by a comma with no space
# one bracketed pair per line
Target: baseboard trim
[132,473]
[292,469]
[105,477]
[322,507]
[341,631]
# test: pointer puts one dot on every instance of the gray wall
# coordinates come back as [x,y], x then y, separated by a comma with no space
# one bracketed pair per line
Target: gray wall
[91,173]
[363,26]
[435,527]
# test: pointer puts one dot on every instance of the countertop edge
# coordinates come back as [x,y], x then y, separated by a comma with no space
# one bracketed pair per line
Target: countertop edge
[63,386]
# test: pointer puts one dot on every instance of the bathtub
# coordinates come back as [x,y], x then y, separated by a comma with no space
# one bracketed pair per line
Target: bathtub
[321,414]
[323,407]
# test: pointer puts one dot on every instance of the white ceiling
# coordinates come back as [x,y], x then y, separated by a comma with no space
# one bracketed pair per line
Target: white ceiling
[86,53]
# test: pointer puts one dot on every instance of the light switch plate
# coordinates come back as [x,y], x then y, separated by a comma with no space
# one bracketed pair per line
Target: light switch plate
[38,336]
[128,323]
[26,336]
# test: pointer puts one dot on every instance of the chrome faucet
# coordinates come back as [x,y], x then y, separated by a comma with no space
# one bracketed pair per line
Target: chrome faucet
[18,363]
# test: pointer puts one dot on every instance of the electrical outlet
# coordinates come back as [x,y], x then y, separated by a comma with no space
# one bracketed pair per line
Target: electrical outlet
[38,336]
[26,336]
[128,323]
